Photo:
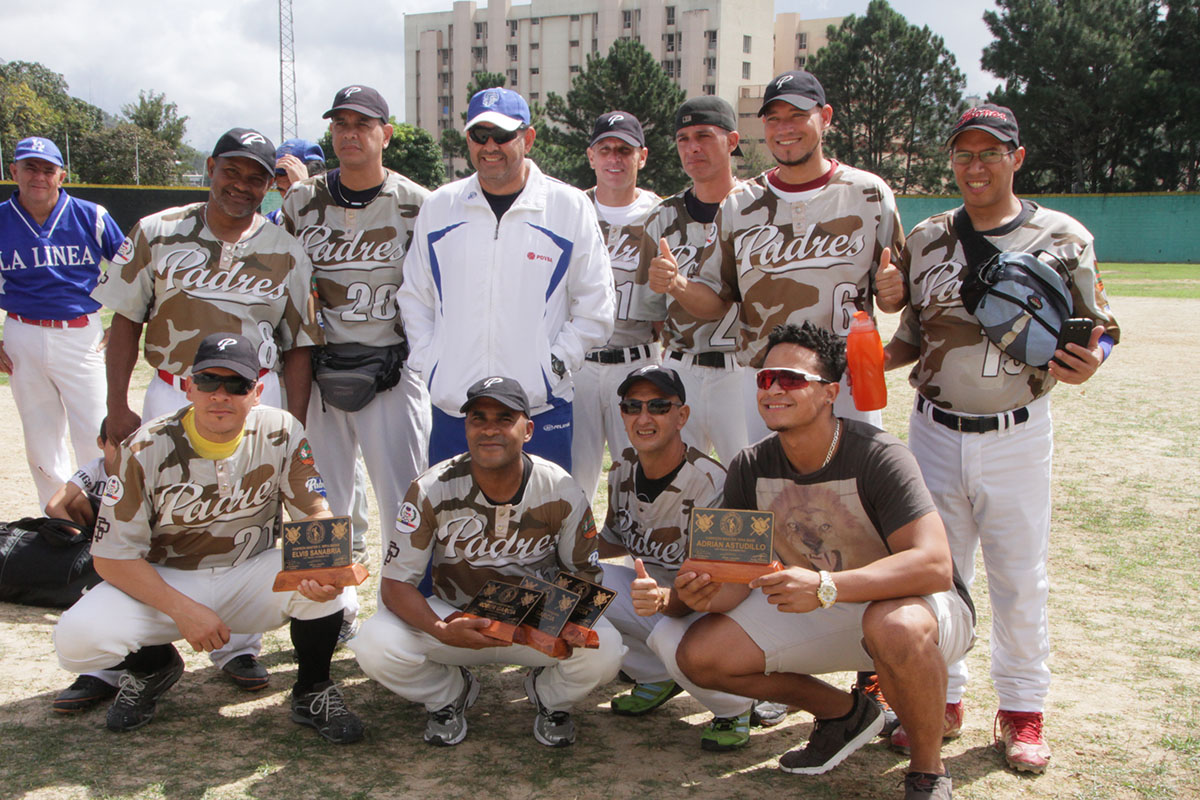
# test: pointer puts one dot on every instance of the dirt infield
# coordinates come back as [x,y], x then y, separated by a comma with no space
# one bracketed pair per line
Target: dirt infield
[1123,717]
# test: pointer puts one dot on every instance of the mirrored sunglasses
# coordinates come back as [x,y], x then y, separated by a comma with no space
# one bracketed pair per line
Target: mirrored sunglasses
[207,382]
[788,379]
[499,136]
[658,406]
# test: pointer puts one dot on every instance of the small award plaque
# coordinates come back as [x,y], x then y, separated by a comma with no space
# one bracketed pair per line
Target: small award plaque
[732,546]
[542,628]
[505,606]
[593,600]
[318,549]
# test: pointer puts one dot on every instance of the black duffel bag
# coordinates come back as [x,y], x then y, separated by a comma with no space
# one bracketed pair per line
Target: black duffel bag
[45,562]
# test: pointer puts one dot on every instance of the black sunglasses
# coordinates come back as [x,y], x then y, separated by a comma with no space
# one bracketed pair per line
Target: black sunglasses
[658,406]
[498,135]
[207,382]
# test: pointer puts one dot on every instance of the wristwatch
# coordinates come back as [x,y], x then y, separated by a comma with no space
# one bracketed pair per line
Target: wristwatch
[827,591]
[558,366]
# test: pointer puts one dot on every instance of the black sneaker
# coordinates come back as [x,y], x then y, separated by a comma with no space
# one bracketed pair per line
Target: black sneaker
[86,692]
[551,728]
[832,740]
[247,673]
[137,695]
[324,709]
[926,786]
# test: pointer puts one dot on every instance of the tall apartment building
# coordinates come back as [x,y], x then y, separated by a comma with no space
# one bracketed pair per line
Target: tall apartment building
[707,46]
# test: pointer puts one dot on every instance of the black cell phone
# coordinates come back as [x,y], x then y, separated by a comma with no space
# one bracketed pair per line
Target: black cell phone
[1078,331]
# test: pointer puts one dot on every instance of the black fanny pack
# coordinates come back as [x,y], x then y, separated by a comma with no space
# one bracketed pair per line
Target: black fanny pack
[349,375]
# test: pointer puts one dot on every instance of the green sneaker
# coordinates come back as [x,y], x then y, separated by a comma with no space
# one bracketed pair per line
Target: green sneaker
[644,698]
[726,733]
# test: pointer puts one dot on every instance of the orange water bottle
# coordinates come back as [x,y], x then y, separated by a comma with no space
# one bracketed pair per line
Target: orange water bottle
[864,357]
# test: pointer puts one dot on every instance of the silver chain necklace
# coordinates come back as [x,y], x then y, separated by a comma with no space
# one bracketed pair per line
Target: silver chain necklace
[837,434]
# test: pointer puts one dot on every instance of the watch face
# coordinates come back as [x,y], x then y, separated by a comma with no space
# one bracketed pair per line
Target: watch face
[827,591]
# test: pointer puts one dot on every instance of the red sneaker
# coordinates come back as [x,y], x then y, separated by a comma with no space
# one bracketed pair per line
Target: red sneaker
[952,729]
[1020,737]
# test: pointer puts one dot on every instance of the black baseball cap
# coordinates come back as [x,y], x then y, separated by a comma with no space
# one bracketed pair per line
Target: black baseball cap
[228,350]
[505,391]
[999,121]
[798,87]
[618,124]
[363,99]
[248,143]
[664,378]
[707,110]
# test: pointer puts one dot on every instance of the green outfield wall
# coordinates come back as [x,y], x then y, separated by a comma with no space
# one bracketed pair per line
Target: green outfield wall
[1159,227]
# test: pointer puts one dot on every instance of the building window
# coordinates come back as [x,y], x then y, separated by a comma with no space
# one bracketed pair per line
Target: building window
[710,65]
[669,67]
[512,27]
[512,52]
[710,88]
[480,30]
[534,71]
[574,68]
[801,41]
[626,19]
[534,96]
[574,43]
[745,44]
[745,70]
[670,15]
[711,36]
[512,77]
[534,46]
[595,45]
[445,54]
[574,18]
[800,62]
[535,21]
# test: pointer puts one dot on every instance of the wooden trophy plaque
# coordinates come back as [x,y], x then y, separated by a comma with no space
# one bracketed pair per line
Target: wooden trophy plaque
[503,605]
[542,629]
[731,545]
[319,550]
[593,601]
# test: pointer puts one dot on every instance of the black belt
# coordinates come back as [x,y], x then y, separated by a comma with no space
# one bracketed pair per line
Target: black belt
[709,359]
[619,355]
[966,424]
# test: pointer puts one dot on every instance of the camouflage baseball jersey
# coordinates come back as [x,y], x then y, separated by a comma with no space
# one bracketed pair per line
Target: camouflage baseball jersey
[166,504]
[173,274]
[958,367]
[686,238]
[446,518]
[656,532]
[811,257]
[357,255]
[624,243]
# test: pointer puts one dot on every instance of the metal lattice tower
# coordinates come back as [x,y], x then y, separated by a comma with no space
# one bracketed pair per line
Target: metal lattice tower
[287,73]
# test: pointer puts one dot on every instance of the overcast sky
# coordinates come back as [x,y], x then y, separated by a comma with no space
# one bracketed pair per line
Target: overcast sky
[219,61]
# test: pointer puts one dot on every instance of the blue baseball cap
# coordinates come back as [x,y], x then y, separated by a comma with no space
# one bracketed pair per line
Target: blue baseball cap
[302,149]
[38,147]
[503,108]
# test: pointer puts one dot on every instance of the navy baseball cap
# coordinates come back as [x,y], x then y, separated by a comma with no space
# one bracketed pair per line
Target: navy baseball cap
[363,99]
[505,391]
[228,350]
[620,125]
[707,110]
[664,378]
[302,149]
[999,121]
[798,87]
[248,143]
[504,108]
[38,147]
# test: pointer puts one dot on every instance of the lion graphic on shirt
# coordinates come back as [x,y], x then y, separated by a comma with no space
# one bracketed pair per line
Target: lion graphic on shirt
[815,526]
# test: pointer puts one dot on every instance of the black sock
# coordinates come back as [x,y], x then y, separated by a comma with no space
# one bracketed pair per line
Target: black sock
[149,659]
[314,640]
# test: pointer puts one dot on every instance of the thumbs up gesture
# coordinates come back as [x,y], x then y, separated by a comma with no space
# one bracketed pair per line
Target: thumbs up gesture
[664,270]
[648,597]
[890,288]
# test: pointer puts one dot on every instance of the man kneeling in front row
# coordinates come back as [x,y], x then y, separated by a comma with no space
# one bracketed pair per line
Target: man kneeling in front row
[868,581]
[492,513]
[184,544]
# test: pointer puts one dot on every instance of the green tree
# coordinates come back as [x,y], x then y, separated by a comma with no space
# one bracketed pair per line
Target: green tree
[124,154]
[629,79]
[152,113]
[895,91]
[1076,74]
[412,152]
[34,102]
[1176,91]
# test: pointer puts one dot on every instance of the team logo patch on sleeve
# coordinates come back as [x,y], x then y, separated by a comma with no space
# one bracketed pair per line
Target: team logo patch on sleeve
[315,485]
[114,490]
[409,518]
[304,453]
[125,252]
[589,525]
